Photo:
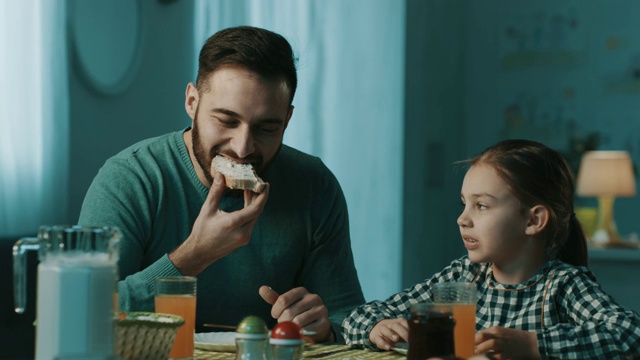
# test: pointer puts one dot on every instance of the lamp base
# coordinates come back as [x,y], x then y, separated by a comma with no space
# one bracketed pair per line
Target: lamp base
[603,238]
[621,245]
[606,235]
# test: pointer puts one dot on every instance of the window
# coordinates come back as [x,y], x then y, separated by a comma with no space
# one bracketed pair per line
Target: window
[33,115]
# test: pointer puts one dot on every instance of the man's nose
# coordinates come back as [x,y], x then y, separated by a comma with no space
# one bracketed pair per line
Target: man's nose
[243,143]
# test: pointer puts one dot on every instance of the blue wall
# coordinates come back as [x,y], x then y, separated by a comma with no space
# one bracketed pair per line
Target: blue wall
[478,72]
[553,70]
[153,104]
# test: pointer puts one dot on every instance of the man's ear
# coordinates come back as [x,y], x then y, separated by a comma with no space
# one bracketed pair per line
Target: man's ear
[289,113]
[538,219]
[191,99]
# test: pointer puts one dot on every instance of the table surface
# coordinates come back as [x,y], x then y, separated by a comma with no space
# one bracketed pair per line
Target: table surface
[315,351]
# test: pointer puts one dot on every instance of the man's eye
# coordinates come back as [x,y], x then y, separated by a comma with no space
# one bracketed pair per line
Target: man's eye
[269,129]
[227,123]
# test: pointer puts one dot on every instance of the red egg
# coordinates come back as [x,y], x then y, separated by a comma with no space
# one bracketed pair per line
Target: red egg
[287,330]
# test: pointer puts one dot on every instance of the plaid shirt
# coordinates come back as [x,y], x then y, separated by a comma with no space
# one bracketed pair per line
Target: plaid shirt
[563,304]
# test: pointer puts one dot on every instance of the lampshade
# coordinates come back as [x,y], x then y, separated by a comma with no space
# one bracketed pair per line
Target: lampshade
[608,173]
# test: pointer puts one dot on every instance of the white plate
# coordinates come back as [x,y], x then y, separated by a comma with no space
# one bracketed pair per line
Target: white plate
[216,341]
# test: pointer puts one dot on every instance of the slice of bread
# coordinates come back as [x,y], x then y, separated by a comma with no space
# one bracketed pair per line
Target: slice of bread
[238,176]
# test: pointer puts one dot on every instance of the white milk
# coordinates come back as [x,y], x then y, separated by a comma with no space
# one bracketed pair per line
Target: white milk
[75,306]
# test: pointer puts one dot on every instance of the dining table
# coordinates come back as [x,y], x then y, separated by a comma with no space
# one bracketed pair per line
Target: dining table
[314,351]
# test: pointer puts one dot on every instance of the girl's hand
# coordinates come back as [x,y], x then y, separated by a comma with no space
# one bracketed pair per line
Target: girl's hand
[386,333]
[503,343]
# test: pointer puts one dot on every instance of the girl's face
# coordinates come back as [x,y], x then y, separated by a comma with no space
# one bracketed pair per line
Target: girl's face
[493,221]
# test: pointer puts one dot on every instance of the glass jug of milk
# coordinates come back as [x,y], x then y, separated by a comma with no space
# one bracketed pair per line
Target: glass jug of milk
[77,280]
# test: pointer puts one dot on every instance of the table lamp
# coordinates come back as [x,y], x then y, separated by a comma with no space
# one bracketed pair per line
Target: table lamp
[607,175]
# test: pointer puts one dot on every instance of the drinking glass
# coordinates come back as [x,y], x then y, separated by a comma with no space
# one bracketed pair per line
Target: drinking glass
[431,331]
[177,295]
[116,297]
[463,297]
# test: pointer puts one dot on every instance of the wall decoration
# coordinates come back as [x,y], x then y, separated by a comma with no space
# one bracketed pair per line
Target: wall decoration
[106,38]
[543,39]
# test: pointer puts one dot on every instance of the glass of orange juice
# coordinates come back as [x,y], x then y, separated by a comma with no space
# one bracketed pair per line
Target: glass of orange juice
[177,295]
[116,302]
[463,296]
[116,298]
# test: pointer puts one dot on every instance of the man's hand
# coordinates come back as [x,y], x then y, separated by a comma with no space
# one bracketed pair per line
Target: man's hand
[303,308]
[386,333]
[215,233]
[503,343]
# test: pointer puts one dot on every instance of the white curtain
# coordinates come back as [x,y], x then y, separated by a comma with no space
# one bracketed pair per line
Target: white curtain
[33,115]
[349,108]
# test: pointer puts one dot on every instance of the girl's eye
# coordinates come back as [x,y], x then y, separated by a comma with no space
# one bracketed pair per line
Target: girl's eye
[482,206]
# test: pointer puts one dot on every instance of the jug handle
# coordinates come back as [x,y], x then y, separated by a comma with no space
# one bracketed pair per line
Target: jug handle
[20,271]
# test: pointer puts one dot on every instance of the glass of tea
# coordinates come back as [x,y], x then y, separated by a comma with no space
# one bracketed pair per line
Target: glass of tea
[431,331]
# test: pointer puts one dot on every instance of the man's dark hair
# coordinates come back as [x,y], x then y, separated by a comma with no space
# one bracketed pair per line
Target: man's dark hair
[261,51]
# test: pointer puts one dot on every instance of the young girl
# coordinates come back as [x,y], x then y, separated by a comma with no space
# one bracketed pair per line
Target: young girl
[527,255]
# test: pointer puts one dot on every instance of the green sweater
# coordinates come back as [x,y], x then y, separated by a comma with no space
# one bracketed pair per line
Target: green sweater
[151,191]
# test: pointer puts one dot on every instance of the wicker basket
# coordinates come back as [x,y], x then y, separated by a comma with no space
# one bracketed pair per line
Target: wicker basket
[146,335]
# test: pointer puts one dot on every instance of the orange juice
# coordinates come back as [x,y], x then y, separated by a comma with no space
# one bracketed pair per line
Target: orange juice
[185,306]
[465,329]
[115,302]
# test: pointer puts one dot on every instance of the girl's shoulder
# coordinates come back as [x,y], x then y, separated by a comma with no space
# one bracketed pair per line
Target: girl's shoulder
[562,268]
[567,275]
[463,269]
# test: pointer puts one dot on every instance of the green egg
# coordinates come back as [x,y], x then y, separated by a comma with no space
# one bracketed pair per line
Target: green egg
[252,325]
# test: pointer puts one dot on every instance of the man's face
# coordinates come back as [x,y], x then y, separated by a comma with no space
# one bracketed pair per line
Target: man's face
[242,116]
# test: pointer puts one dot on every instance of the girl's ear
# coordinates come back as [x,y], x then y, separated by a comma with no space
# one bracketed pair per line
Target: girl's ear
[538,219]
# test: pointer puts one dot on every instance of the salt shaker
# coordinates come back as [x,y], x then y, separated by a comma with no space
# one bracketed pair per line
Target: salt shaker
[286,341]
[251,339]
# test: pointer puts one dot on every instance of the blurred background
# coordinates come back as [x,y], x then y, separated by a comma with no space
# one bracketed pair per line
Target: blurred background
[391,94]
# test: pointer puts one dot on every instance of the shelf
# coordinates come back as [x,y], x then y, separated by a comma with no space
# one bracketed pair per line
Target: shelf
[617,255]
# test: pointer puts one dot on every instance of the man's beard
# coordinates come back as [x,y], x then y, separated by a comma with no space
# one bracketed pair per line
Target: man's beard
[203,157]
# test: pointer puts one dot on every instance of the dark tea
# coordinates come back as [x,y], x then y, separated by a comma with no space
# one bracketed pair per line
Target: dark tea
[431,331]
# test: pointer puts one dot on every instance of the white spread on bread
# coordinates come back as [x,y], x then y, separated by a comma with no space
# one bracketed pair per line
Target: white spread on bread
[238,176]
